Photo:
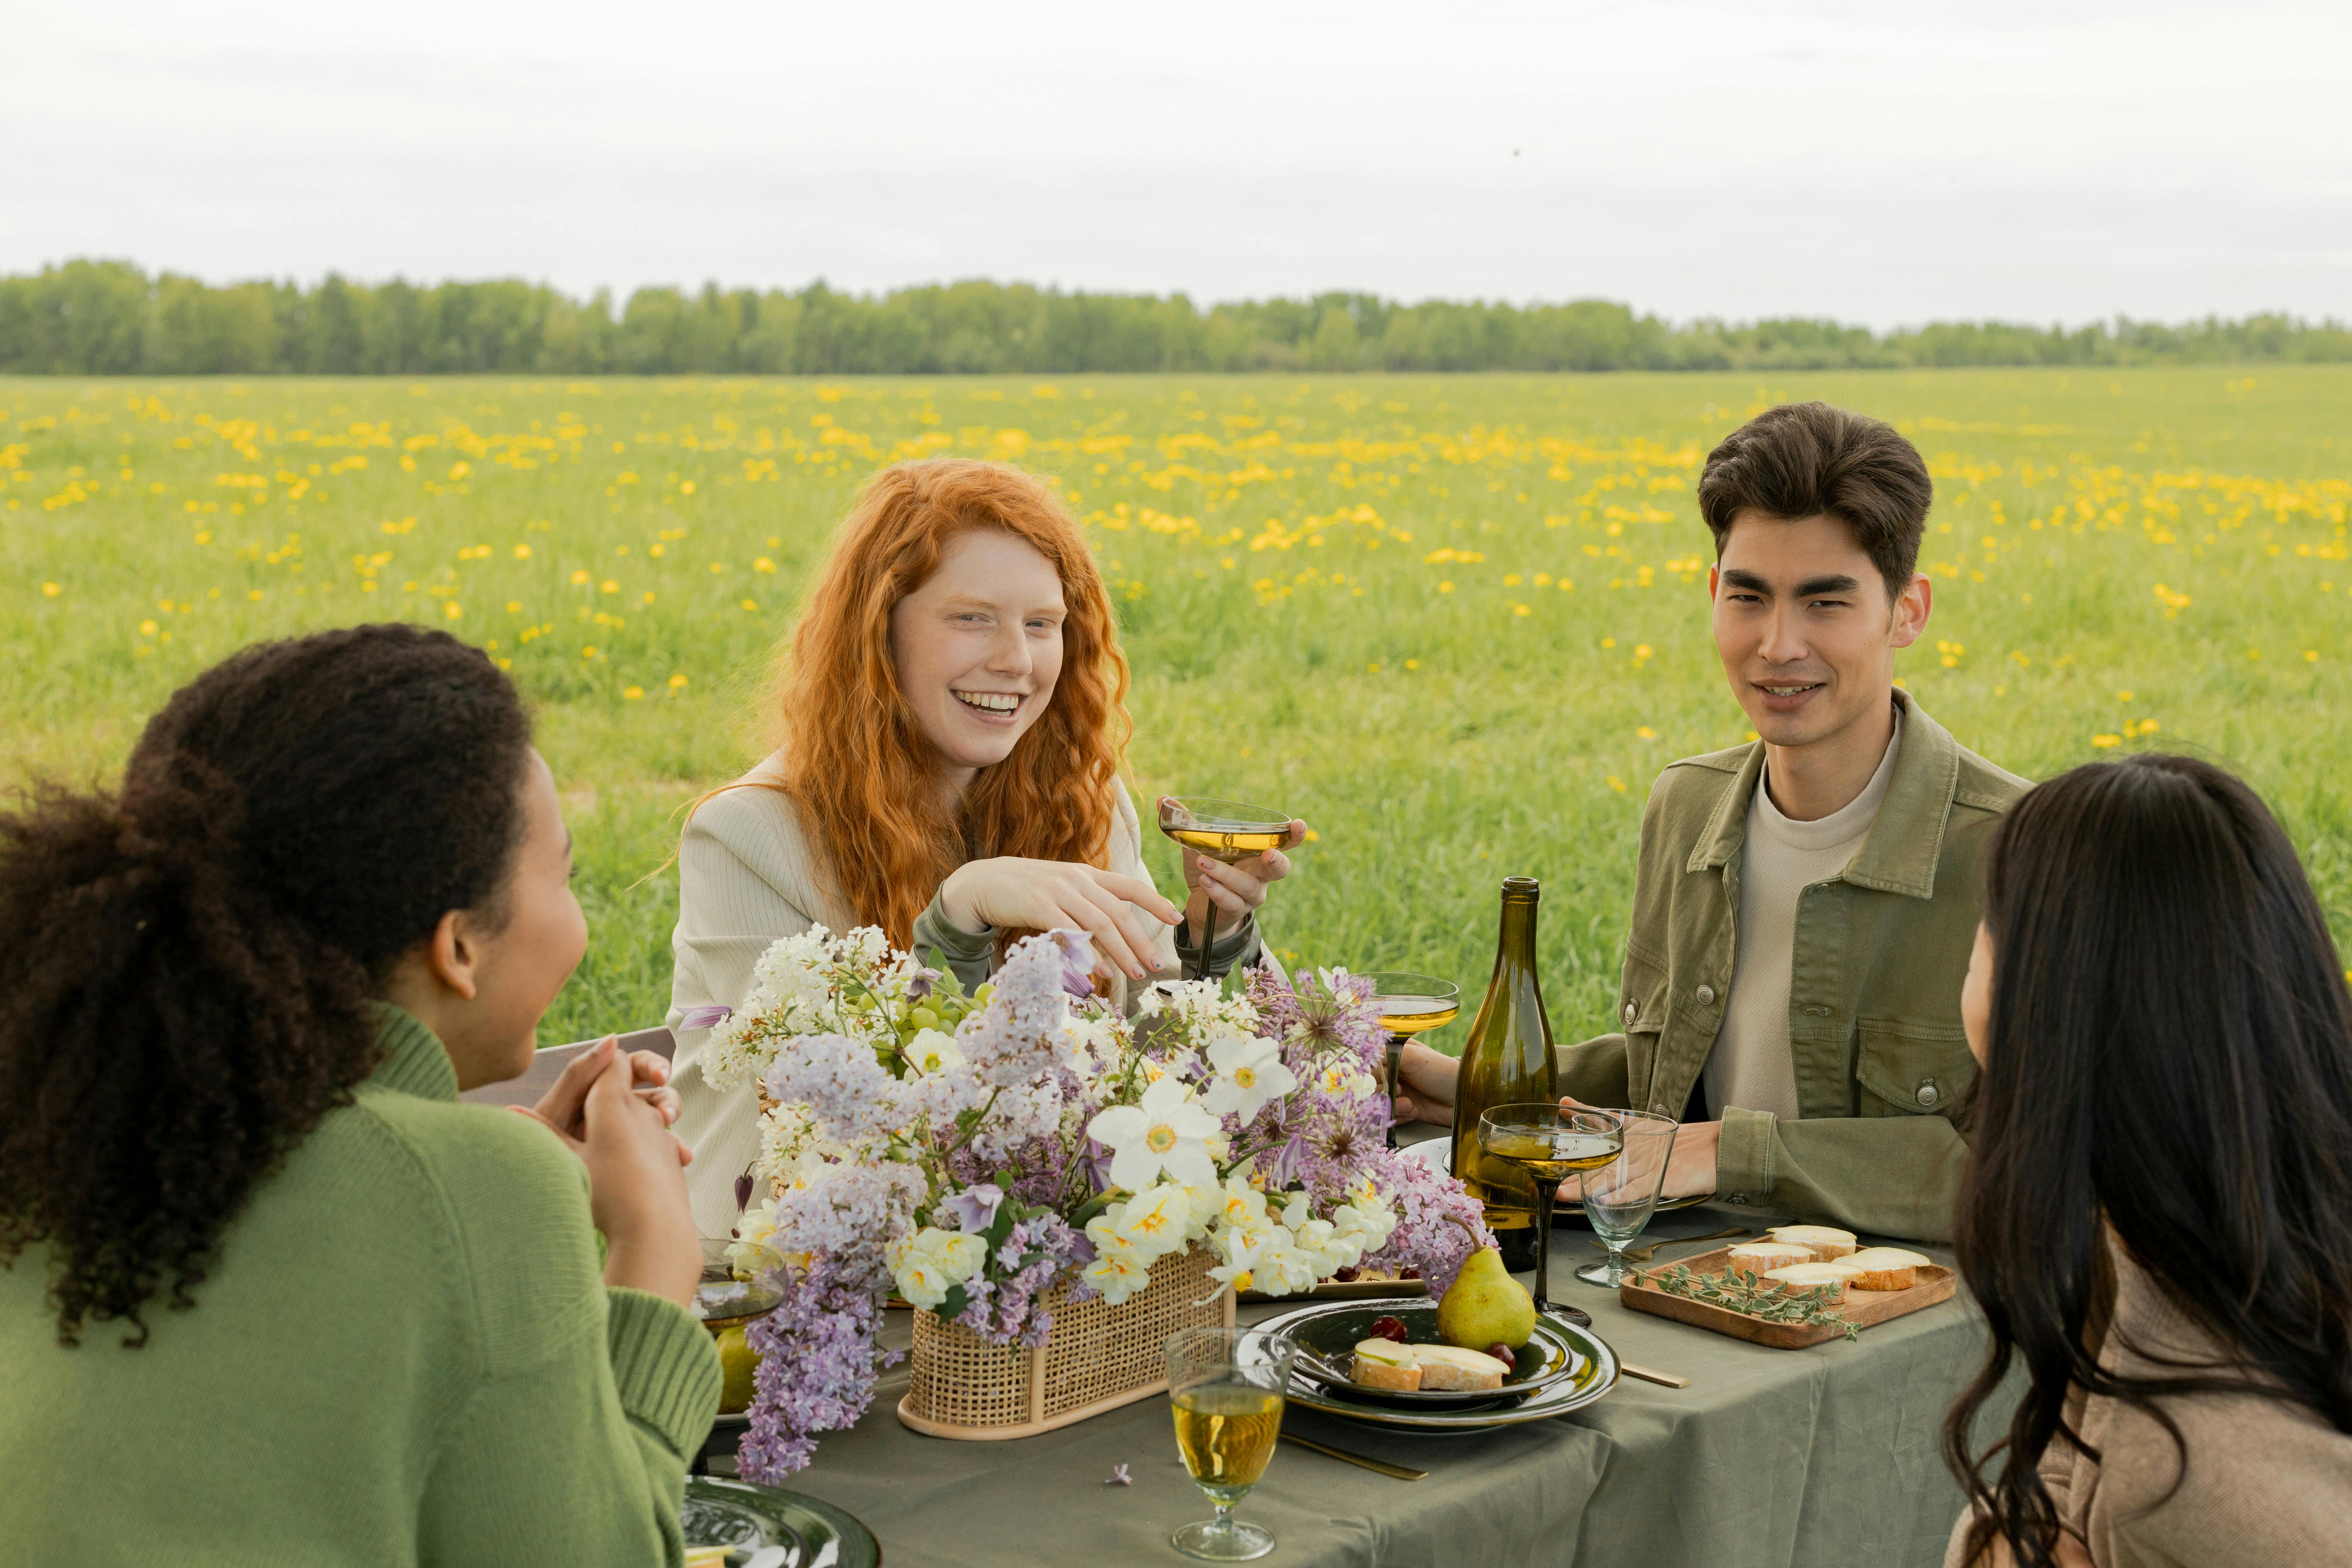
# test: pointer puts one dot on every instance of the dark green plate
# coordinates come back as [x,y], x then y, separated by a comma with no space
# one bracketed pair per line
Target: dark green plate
[1594,1375]
[722,1512]
[1334,1333]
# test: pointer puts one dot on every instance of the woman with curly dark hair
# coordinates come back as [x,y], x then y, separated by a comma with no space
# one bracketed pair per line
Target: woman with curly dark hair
[2157,1212]
[262,1269]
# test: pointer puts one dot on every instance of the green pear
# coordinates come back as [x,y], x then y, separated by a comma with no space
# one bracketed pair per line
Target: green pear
[1485,1306]
[738,1361]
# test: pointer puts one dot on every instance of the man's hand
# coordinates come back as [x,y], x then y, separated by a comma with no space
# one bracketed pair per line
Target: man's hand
[1425,1085]
[1690,1170]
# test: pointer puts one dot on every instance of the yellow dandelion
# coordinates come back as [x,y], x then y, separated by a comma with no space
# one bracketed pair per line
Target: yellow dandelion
[522,551]
[514,607]
[579,577]
[1445,588]
[1646,732]
[51,589]
[764,564]
[751,604]
[1616,783]
[676,682]
[452,611]
[632,693]
[2104,741]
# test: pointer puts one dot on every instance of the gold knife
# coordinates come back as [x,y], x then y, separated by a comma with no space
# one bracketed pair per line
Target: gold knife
[1400,1472]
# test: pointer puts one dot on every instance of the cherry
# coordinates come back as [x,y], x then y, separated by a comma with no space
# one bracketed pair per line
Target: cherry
[1344,1275]
[1502,1352]
[1388,1328]
[1408,1273]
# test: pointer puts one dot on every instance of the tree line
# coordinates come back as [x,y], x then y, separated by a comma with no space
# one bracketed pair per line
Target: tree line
[110,318]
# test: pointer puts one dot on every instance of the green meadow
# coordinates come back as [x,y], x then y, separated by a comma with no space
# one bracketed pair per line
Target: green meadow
[1456,623]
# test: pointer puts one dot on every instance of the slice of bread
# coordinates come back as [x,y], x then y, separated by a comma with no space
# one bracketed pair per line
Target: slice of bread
[1758,1258]
[1826,1241]
[1811,1276]
[1384,1363]
[1446,1367]
[1884,1267]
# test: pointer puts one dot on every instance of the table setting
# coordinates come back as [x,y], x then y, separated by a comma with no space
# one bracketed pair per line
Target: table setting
[1212,1233]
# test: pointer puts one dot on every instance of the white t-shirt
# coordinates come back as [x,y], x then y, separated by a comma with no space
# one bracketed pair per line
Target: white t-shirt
[1751,1065]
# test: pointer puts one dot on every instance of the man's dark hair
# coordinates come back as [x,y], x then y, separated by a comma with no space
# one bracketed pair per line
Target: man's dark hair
[1809,459]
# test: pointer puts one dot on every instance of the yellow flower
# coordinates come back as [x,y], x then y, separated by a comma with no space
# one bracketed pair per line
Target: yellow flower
[2104,741]
[453,610]
[764,564]
[1616,783]
[1646,732]
[51,589]
[522,551]
[632,693]
[579,577]
[514,607]
[1445,588]
[677,682]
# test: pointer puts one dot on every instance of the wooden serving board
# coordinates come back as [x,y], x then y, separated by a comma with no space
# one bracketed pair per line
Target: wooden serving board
[1862,1307]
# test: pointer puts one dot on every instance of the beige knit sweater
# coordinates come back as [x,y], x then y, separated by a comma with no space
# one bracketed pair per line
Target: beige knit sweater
[745,877]
[2266,1484]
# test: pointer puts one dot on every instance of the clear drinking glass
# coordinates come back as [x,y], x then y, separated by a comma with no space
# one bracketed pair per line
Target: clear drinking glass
[1225,1385]
[1551,1143]
[1409,1005]
[1619,1198]
[1225,830]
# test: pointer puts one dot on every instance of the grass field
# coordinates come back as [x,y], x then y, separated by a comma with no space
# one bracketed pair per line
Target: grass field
[1456,623]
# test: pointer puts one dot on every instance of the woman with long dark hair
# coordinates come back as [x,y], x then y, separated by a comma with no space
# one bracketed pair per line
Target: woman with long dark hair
[2158,1212]
[271,1295]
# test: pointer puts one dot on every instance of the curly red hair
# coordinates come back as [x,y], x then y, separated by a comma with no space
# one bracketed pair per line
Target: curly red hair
[855,760]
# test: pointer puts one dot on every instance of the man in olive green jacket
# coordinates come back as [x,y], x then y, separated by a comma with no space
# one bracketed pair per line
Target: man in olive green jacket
[1805,904]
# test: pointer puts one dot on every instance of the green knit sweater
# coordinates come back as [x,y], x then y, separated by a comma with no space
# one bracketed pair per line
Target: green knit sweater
[403,1354]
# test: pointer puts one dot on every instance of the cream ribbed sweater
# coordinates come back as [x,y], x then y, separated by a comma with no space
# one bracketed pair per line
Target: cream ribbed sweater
[2265,1483]
[746,876]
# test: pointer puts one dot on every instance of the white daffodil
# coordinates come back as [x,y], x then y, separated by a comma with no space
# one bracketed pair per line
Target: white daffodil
[1368,1224]
[960,1256]
[917,1272]
[1166,1132]
[933,1051]
[1115,1276]
[1103,1231]
[1283,1268]
[1240,1202]
[1240,1242]
[1157,1219]
[1250,1072]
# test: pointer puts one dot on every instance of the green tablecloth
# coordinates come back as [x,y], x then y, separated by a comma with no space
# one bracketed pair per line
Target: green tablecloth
[1827,1456]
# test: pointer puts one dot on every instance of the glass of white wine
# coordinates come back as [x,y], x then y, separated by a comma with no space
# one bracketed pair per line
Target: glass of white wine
[1225,1385]
[1411,1004]
[1619,1199]
[1223,830]
[1551,1143]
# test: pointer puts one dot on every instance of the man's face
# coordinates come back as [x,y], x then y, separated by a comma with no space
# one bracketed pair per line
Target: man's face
[1805,628]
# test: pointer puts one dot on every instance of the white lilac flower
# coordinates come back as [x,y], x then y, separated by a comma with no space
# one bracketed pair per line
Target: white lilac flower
[1250,1072]
[846,1090]
[1157,1219]
[932,1050]
[1166,1132]
[1018,1038]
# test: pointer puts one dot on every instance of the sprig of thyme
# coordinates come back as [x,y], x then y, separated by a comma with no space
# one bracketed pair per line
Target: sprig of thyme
[1737,1293]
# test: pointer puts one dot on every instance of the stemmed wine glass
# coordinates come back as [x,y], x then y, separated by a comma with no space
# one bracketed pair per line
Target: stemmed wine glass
[1619,1199]
[1551,1143]
[1411,1004]
[1223,830]
[1226,1386]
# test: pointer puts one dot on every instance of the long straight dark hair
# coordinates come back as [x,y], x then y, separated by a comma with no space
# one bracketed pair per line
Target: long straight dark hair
[2170,1052]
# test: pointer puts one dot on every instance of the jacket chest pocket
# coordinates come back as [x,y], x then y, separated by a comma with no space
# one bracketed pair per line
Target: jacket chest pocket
[1912,1070]
[1642,1014]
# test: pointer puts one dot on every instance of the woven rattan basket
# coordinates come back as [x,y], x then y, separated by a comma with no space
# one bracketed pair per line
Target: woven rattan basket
[1097,1358]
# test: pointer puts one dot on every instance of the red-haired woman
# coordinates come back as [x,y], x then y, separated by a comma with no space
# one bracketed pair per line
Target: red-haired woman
[951,717]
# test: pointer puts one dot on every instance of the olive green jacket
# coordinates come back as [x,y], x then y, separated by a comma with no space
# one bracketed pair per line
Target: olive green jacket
[1883,1074]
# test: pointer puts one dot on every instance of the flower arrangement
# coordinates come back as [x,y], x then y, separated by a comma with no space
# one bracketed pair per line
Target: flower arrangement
[975,1153]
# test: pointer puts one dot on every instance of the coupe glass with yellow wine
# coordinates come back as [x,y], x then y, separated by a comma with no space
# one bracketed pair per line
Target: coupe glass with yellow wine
[1226,1386]
[1411,1004]
[1551,1143]
[1223,830]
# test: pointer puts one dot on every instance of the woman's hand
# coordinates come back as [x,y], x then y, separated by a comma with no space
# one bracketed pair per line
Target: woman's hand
[1057,895]
[1236,889]
[649,1079]
[1425,1084]
[637,1176]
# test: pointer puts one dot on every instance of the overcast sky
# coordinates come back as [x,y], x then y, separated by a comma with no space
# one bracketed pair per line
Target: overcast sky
[1877,161]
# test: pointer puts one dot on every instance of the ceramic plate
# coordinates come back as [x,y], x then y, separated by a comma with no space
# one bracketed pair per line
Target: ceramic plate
[1594,1375]
[1346,1291]
[1439,1151]
[1334,1334]
[811,1535]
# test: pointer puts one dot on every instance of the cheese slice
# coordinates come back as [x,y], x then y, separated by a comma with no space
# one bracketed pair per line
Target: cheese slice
[1450,1367]
[1825,1240]
[1799,1277]
[1885,1267]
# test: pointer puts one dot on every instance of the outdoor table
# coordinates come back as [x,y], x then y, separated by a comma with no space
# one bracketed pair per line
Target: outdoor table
[1830,1454]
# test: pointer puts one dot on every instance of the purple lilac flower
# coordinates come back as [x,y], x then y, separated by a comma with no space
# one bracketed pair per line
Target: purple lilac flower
[1118,1477]
[847,1089]
[816,1373]
[1017,1040]
[919,984]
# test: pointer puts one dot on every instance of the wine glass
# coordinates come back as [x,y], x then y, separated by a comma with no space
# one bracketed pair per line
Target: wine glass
[1619,1199]
[1226,1386]
[1551,1143]
[1410,1004]
[1223,830]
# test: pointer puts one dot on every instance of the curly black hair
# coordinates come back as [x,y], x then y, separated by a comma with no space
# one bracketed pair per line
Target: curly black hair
[186,966]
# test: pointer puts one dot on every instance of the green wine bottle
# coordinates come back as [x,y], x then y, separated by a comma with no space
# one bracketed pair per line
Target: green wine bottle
[1507,1061]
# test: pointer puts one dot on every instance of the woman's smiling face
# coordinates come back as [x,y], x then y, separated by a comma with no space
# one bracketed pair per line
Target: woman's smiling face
[978,647]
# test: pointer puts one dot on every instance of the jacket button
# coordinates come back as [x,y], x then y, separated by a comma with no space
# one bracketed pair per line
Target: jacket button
[1632,1012]
[1706,995]
[1927,1095]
